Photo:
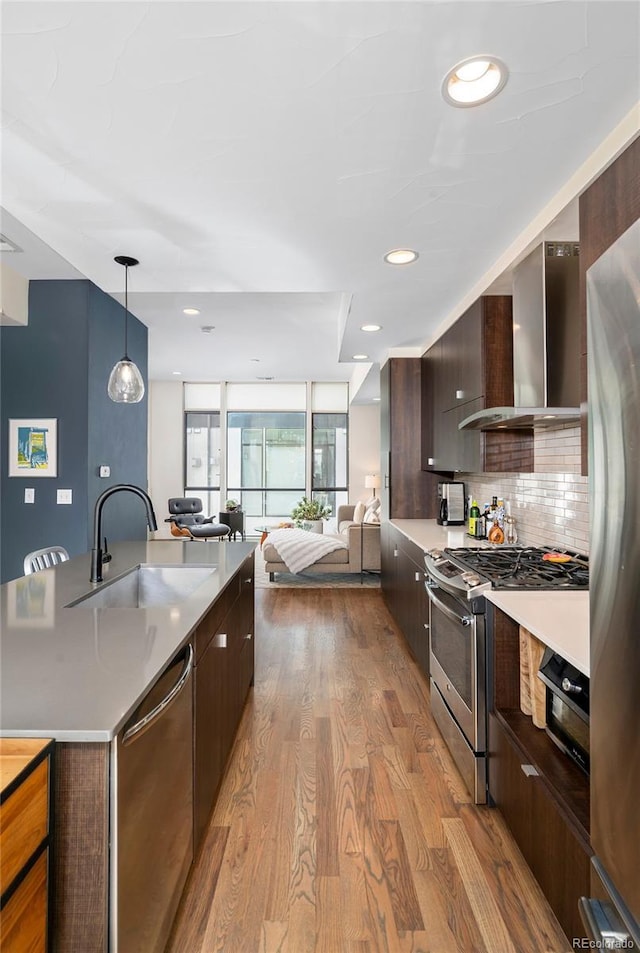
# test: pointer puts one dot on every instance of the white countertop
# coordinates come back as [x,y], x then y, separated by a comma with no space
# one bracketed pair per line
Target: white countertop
[559,619]
[75,674]
[427,534]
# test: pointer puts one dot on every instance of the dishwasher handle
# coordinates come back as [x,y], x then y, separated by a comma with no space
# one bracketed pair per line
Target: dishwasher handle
[450,614]
[140,726]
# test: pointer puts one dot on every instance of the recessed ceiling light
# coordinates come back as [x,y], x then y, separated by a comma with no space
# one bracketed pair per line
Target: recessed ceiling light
[207,328]
[6,245]
[370,327]
[177,373]
[474,81]
[190,311]
[264,378]
[401,256]
[375,398]
[360,357]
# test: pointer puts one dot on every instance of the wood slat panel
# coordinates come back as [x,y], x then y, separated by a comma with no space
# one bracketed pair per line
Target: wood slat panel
[15,755]
[24,820]
[23,921]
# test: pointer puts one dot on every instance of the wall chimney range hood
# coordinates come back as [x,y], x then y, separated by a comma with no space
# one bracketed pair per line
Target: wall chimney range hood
[546,336]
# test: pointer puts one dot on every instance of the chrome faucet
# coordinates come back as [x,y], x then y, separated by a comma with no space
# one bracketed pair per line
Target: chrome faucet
[97,555]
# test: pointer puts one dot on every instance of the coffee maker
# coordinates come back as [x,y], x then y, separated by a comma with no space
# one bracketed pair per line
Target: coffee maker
[450,504]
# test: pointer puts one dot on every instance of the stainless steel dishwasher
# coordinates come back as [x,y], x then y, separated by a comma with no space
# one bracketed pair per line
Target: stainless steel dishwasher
[152,812]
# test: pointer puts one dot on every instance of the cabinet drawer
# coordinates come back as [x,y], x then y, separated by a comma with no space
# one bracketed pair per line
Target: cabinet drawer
[559,860]
[215,616]
[23,920]
[413,551]
[23,822]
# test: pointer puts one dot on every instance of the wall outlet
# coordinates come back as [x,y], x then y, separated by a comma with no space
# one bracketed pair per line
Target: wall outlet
[64,496]
[29,494]
[104,471]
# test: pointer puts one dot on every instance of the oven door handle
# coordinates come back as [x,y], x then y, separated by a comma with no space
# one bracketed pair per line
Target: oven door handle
[450,614]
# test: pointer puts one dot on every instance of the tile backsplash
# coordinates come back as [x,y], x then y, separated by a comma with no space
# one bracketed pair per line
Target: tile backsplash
[551,505]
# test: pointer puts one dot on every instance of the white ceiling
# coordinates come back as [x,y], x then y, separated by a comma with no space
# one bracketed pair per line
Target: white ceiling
[259,158]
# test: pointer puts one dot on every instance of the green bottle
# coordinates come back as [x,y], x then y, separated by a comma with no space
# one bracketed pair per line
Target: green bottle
[474,517]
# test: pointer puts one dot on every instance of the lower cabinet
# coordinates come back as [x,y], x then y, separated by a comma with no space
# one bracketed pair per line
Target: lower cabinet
[557,855]
[25,765]
[223,676]
[403,578]
[542,795]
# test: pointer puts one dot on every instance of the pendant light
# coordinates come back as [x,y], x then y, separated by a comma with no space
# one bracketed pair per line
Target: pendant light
[125,381]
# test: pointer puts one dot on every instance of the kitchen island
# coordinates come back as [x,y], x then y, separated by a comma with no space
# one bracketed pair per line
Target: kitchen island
[76,674]
[143,703]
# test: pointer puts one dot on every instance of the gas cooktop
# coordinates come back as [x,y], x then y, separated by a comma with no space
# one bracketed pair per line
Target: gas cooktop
[527,567]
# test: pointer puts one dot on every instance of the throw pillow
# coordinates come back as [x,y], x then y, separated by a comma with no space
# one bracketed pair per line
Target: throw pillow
[358,512]
[373,506]
[372,512]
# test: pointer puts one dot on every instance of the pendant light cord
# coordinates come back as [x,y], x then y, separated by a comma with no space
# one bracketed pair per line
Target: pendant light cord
[127,263]
[126,311]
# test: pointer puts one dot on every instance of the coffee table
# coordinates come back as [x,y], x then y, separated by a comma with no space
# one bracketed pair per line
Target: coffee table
[267,528]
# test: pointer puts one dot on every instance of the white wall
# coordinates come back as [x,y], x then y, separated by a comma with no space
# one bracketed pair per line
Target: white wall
[364,448]
[166,448]
[14,296]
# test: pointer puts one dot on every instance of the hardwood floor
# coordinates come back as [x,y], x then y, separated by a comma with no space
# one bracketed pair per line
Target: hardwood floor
[342,825]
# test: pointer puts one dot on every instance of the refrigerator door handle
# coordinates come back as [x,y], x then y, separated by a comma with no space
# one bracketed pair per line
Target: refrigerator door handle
[603,925]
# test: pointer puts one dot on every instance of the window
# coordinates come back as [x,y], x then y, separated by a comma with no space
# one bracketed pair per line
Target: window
[202,460]
[330,442]
[266,463]
[266,459]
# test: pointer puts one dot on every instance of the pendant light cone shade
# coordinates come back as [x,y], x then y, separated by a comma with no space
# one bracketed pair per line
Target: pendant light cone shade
[125,381]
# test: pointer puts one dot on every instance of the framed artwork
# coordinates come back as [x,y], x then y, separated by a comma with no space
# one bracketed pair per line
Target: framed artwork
[33,447]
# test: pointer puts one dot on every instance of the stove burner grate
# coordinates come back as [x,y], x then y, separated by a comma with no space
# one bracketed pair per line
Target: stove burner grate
[524,567]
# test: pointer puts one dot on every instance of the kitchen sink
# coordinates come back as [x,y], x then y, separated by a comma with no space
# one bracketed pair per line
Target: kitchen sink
[145,587]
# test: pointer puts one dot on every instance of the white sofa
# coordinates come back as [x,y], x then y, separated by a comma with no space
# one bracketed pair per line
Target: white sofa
[340,560]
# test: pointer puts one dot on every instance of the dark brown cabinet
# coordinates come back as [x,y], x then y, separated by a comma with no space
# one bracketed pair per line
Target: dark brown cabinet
[542,794]
[407,492]
[468,369]
[402,571]
[223,674]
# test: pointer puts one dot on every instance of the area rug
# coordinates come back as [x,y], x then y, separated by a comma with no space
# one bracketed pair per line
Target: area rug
[301,580]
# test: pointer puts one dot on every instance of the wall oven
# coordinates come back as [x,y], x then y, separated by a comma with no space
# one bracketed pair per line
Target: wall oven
[567,708]
[458,673]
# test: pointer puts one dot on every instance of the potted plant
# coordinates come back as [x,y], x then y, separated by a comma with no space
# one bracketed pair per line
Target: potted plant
[309,514]
[231,505]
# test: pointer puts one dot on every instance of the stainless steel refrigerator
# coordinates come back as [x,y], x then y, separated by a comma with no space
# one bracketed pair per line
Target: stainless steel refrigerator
[613,309]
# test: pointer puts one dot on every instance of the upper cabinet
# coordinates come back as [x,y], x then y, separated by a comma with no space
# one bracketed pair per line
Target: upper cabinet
[461,374]
[468,369]
[608,208]
[407,492]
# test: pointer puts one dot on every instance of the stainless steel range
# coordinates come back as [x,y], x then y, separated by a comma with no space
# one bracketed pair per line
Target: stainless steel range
[456,582]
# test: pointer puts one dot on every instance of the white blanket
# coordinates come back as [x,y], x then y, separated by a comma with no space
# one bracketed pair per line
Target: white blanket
[298,548]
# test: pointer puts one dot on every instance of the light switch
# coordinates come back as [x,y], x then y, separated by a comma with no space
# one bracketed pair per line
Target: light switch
[104,471]
[29,494]
[64,496]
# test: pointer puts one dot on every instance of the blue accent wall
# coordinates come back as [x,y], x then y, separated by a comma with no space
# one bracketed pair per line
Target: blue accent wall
[58,366]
